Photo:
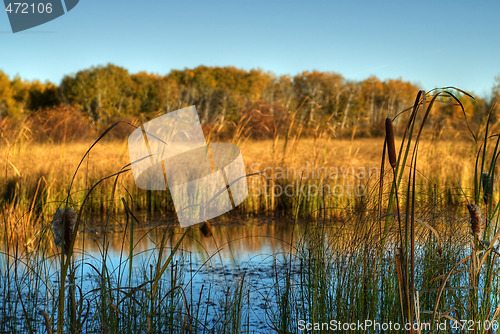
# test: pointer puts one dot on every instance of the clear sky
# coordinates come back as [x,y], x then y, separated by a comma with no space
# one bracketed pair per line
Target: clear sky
[430,43]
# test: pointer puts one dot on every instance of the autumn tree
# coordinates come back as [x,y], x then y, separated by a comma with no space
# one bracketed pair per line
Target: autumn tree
[41,95]
[11,103]
[219,92]
[320,92]
[350,103]
[154,94]
[101,92]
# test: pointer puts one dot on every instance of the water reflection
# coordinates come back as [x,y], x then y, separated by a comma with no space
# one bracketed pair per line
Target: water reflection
[231,242]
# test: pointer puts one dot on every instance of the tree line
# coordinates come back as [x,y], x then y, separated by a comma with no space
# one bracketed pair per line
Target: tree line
[225,97]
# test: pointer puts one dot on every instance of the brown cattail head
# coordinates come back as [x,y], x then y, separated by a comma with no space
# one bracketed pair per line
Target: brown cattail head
[206,229]
[391,146]
[476,221]
[63,225]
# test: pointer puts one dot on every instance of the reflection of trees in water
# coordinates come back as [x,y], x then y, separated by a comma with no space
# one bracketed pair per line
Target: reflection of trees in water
[232,239]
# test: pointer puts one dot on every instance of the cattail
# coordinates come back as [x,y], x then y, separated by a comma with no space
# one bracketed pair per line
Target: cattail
[206,229]
[391,146]
[476,221]
[63,225]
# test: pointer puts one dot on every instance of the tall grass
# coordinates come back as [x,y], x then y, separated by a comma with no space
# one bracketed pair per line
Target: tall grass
[402,251]
[422,266]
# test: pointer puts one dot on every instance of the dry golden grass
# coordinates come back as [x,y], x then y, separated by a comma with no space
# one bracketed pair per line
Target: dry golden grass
[439,160]
[61,160]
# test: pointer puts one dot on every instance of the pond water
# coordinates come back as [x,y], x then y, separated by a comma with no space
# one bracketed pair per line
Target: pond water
[249,251]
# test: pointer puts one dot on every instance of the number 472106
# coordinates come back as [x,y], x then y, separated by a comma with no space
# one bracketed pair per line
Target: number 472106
[470,325]
[26,8]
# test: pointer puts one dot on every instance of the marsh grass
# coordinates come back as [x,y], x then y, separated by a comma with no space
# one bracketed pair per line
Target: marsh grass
[402,251]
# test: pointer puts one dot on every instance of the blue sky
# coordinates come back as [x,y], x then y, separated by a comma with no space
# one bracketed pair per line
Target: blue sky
[432,44]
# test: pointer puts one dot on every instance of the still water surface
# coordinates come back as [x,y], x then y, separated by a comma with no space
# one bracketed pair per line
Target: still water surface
[249,250]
